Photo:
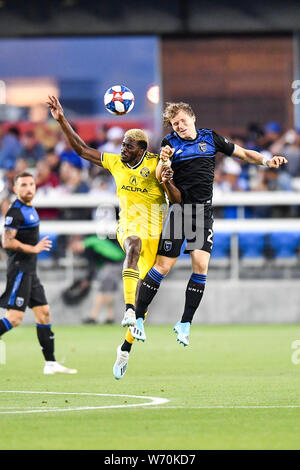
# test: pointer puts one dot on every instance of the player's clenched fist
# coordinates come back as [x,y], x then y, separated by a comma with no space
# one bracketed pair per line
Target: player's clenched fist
[55,107]
[166,174]
[276,161]
[165,154]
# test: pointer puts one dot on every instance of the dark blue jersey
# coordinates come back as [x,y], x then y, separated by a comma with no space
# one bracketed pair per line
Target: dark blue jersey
[26,221]
[193,163]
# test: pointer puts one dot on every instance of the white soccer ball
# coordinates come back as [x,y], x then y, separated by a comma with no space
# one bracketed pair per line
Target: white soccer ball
[119,100]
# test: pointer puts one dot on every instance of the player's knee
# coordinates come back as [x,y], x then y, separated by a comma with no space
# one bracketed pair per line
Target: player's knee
[163,266]
[200,267]
[133,250]
[15,318]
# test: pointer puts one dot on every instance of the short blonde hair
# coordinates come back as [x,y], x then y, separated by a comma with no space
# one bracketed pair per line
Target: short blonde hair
[173,108]
[139,136]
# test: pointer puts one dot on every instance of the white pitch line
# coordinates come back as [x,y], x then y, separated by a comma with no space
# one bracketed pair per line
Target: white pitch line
[155,401]
[226,407]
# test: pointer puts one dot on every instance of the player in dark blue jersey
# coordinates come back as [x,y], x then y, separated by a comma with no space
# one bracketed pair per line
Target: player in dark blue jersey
[191,153]
[20,239]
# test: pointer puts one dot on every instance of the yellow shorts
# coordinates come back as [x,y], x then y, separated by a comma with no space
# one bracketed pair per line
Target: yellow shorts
[148,251]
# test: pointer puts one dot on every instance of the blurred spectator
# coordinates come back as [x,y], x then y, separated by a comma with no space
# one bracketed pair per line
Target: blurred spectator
[272,132]
[68,155]
[105,259]
[10,148]
[101,137]
[72,183]
[32,150]
[289,146]
[254,133]
[53,160]
[114,140]
[231,171]
[45,181]
[71,179]
[45,178]
[104,184]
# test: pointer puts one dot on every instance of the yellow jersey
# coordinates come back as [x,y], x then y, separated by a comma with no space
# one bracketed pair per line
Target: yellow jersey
[142,199]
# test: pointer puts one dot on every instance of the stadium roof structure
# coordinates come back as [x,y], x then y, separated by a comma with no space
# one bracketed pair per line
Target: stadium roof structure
[181,17]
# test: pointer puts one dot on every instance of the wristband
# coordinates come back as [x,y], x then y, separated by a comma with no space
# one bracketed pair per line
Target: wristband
[265,160]
[163,162]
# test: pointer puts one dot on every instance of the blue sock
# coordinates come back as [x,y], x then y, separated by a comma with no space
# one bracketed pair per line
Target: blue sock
[5,326]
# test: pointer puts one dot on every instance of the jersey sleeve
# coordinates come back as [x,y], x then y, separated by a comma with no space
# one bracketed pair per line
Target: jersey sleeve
[223,145]
[108,160]
[13,219]
[165,142]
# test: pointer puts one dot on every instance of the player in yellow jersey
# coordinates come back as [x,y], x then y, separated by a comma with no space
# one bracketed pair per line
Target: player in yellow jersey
[142,202]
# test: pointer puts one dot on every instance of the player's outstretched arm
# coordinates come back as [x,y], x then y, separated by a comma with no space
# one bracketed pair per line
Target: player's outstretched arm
[77,144]
[257,158]
[9,242]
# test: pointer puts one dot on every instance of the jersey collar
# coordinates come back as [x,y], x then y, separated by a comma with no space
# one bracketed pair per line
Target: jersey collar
[138,164]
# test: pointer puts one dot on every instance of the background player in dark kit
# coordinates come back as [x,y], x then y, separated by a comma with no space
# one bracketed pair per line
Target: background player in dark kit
[191,153]
[23,288]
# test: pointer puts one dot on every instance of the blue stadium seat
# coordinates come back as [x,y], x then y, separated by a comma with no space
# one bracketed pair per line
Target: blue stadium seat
[252,244]
[221,246]
[284,244]
[48,254]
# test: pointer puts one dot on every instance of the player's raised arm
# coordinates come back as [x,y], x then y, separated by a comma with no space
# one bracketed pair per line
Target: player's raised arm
[251,156]
[77,144]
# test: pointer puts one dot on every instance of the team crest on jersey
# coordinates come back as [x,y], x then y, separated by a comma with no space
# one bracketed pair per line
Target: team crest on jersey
[133,180]
[168,246]
[8,220]
[19,301]
[145,172]
[202,146]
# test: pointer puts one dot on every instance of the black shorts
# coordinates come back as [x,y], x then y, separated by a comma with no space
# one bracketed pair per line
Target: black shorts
[22,290]
[193,225]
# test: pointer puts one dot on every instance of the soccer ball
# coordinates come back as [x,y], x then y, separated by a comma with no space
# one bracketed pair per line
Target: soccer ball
[119,100]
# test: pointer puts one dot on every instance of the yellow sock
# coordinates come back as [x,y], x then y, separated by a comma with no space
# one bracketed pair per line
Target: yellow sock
[130,280]
[129,338]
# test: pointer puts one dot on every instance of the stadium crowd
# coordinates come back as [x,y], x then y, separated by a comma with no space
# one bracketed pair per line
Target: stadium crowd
[59,170]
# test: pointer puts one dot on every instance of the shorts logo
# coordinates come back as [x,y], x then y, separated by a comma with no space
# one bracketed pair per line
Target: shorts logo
[202,146]
[8,220]
[168,246]
[19,301]
[145,172]
[133,180]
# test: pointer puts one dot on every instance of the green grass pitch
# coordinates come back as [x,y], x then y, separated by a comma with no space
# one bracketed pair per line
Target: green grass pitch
[234,387]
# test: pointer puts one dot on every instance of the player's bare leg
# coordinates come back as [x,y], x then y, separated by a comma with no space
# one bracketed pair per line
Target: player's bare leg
[12,319]
[132,247]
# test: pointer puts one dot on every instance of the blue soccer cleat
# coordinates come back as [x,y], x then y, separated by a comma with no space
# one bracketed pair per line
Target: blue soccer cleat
[138,330]
[120,365]
[183,331]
